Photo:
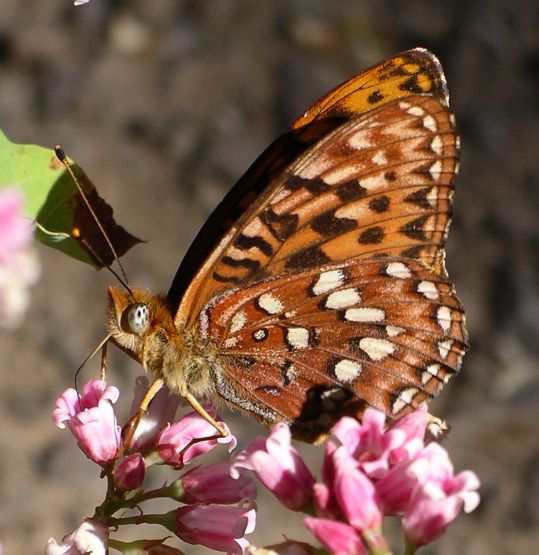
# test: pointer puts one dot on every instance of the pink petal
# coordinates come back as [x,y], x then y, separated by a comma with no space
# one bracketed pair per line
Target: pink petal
[219,527]
[355,493]
[339,538]
[90,537]
[214,484]
[129,472]
[278,466]
[175,438]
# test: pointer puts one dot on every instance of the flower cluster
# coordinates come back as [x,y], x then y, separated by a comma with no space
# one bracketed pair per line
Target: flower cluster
[370,473]
[216,510]
[19,268]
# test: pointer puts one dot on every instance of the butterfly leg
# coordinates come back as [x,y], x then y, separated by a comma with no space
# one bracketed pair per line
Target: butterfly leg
[221,431]
[130,428]
[207,417]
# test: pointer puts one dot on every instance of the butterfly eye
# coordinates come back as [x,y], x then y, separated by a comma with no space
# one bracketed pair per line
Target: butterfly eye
[136,319]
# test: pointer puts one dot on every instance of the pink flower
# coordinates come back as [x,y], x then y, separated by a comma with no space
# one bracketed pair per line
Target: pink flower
[396,487]
[355,493]
[15,230]
[90,537]
[19,267]
[368,441]
[339,538]
[175,438]
[213,484]
[161,412]
[324,498]
[279,467]
[438,495]
[92,420]
[413,424]
[219,527]
[129,472]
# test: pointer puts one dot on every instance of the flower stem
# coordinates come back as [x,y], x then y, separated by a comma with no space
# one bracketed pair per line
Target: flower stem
[410,548]
[167,520]
[376,543]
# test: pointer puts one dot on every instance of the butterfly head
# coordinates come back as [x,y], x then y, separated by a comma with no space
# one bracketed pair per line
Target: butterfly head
[132,319]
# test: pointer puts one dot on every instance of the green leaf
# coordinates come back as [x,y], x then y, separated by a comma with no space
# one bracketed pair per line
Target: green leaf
[52,199]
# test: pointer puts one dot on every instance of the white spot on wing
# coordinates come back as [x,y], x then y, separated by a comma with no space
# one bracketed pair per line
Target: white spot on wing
[377,349]
[347,370]
[270,303]
[231,342]
[375,181]
[430,123]
[432,196]
[415,111]
[444,347]
[398,270]
[297,338]
[261,334]
[404,399]
[328,281]
[437,145]
[343,299]
[393,331]
[380,158]
[436,169]
[361,139]
[341,173]
[431,372]
[364,315]
[238,321]
[443,315]
[428,290]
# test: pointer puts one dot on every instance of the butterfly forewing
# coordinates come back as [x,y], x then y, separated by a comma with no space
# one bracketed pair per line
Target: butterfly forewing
[413,72]
[380,184]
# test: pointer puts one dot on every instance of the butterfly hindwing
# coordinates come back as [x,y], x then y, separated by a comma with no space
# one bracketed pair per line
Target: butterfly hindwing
[386,332]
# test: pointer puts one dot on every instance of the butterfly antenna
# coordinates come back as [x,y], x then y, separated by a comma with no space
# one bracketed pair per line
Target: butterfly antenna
[61,155]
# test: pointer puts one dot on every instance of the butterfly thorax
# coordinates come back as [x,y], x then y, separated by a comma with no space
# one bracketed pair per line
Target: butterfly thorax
[142,325]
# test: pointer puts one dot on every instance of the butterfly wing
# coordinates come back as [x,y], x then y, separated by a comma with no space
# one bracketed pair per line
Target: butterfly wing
[415,71]
[379,184]
[308,347]
[360,187]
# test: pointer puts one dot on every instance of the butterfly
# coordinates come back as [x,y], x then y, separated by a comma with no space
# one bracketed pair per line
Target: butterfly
[317,287]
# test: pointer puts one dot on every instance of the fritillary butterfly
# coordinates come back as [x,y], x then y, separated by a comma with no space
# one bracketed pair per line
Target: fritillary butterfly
[318,287]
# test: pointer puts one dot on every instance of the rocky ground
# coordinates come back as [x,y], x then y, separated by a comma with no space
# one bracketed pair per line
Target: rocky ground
[165,104]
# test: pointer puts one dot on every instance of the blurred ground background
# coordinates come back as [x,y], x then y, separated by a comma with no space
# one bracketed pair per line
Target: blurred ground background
[165,104]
